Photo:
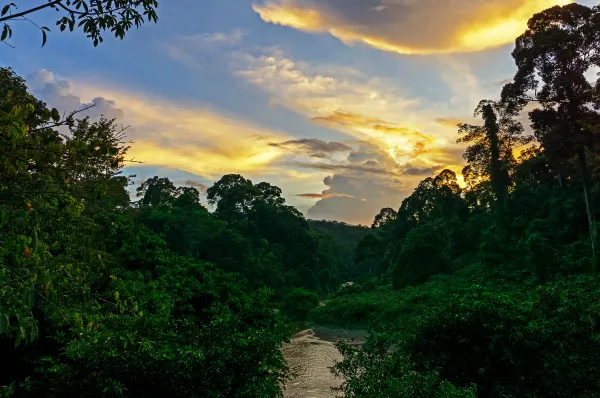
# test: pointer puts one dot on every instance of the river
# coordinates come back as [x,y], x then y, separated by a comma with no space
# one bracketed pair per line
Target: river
[309,355]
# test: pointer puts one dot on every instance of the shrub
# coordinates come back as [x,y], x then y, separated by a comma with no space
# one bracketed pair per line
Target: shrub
[297,304]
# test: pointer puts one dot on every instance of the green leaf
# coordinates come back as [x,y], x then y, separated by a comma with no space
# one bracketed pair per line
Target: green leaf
[31,298]
[55,115]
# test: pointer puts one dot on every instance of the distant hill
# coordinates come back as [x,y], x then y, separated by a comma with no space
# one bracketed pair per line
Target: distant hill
[345,234]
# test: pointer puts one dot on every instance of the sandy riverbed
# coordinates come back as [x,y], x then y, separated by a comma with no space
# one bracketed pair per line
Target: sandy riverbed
[309,355]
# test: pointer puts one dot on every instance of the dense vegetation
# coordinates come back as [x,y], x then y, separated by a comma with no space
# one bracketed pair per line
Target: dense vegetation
[102,296]
[486,290]
[492,289]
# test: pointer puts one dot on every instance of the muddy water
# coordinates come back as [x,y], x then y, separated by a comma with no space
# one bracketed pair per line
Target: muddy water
[309,355]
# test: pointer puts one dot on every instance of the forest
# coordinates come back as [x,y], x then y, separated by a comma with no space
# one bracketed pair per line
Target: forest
[491,289]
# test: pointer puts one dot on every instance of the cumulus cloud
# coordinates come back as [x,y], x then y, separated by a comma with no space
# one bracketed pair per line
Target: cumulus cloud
[409,26]
[59,93]
[363,198]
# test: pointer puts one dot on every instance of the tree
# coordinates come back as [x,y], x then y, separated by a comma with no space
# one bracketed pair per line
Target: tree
[490,154]
[385,216]
[232,195]
[156,191]
[560,45]
[91,16]
[187,197]
[434,197]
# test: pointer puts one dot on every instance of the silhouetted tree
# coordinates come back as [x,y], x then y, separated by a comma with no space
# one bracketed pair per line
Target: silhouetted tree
[560,45]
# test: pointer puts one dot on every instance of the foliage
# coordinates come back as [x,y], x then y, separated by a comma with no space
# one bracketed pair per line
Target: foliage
[92,17]
[490,290]
[99,297]
[297,304]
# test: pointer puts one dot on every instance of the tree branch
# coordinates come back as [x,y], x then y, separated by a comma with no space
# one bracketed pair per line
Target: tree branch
[20,14]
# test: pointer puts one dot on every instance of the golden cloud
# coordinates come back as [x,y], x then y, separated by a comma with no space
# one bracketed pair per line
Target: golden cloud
[449,122]
[410,26]
[192,137]
[368,109]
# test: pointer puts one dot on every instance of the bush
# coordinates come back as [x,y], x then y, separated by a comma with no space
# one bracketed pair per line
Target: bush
[374,373]
[297,304]
[523,341]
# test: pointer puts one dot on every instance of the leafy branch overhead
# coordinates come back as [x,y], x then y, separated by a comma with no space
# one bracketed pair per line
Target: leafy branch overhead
[93,17]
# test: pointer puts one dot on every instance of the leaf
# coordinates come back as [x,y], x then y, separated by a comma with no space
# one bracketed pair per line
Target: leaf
[4,33]
[31,298]
[5,10]
[44,38]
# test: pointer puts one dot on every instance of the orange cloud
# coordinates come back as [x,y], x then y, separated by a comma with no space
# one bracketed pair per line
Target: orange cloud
[368,109]
[410,27]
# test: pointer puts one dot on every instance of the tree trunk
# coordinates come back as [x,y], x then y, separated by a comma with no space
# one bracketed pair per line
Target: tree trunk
[588,204]
[560,176]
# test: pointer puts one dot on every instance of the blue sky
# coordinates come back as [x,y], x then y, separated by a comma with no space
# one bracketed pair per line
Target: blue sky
[346,105]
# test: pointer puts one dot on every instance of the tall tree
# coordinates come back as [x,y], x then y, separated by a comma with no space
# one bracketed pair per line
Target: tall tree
[156,191]
[490,154]
[553,56]
[386,215]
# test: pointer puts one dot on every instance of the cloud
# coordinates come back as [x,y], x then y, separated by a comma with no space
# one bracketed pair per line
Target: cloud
[394,152]
[344,167]
[317,91]
[195,184]
[323,195]
[409,26]
[218,38]
[449,121]
[192,137]
[312,146]
[58,93]
[422,171]
[194,51]
[368,109]
[362,200]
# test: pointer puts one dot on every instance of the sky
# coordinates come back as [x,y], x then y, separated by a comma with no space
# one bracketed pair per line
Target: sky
[344,104]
